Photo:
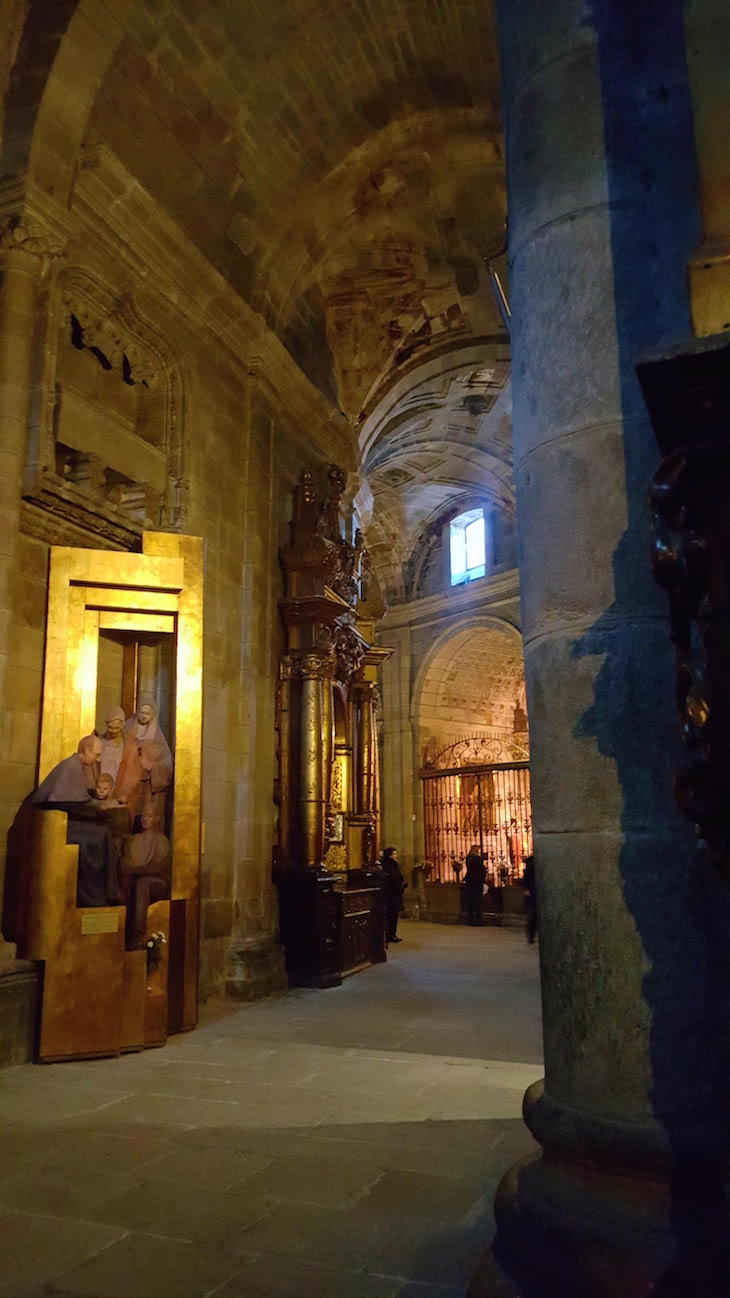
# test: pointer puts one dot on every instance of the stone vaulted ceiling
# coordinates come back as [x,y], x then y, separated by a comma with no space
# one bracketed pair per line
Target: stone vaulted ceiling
[477,678]
[442,432]
[340,162]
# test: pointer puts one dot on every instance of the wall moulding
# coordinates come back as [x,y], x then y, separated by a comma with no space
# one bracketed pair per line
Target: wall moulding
[459,603]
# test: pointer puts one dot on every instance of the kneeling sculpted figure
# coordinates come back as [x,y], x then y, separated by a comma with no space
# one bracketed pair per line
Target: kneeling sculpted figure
[97,822]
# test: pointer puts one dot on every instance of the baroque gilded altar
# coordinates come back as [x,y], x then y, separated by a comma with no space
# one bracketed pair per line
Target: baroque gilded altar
[328,787]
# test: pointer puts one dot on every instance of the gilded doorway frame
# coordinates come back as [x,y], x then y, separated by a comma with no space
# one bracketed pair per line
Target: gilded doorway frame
[159,590]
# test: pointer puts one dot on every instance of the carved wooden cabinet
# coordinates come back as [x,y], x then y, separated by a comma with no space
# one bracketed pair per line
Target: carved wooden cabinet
[309,925]
[360,941]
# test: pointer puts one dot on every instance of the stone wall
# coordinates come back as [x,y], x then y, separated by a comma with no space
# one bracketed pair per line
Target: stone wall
[235,424]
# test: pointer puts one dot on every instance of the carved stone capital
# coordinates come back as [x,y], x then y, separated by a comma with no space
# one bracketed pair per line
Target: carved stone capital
[364,691]
[33,249]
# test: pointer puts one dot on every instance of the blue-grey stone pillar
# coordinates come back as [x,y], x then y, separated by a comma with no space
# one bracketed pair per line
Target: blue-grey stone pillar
[602,215]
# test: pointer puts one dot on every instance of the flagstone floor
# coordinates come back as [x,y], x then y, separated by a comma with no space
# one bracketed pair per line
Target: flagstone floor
[337,1144]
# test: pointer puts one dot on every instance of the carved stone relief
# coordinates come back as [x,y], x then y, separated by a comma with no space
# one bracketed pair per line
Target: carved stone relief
[106,435]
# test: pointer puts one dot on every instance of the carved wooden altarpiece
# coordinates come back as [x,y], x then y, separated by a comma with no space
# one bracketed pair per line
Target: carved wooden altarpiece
[328,794]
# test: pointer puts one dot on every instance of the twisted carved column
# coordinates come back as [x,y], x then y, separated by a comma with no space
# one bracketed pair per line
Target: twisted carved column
[313,674]
[306,746]
[366,756]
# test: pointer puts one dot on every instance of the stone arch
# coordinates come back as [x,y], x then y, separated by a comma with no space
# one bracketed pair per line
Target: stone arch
[495,648]
[36,36]
[63,58]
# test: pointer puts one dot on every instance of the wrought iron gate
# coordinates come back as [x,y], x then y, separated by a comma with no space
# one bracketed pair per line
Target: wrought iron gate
[487,803]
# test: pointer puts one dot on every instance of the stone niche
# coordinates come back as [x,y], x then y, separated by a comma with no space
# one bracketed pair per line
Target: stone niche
[105,453]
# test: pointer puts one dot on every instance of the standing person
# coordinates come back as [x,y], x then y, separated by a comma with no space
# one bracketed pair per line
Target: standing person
[530,894]
[474,881]
[395,886]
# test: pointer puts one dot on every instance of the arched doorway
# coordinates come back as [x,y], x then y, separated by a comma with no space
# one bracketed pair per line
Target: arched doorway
[473,749]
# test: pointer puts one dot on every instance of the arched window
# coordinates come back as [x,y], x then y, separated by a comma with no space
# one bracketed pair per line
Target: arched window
[468,546]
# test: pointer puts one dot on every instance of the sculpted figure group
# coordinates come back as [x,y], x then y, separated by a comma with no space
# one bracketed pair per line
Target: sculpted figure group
[114,791]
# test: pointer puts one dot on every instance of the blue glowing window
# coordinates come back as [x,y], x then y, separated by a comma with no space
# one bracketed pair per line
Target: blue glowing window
[468,546]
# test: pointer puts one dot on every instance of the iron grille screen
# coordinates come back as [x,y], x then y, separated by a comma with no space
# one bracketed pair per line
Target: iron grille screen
[487,805]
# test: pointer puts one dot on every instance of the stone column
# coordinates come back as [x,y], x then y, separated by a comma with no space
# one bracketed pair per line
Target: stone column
[398,806]
[22,263]
[708,52]
[308,906]
[255,965]
[624,1196]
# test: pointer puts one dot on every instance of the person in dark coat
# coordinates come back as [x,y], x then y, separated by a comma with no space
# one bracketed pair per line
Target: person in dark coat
[395,886]
[474,881]
[530,894]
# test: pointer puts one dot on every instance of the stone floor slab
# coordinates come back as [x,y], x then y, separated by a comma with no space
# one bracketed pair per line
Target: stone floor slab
[265,1279]
[341,1143]
[35,1249]
[140,1266]
[305,1231]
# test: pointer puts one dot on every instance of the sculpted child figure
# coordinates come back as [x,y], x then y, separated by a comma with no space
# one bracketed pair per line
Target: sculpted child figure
[104,793]
[155,760]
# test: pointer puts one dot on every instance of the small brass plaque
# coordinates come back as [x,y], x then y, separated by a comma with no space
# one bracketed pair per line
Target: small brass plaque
[103,922]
